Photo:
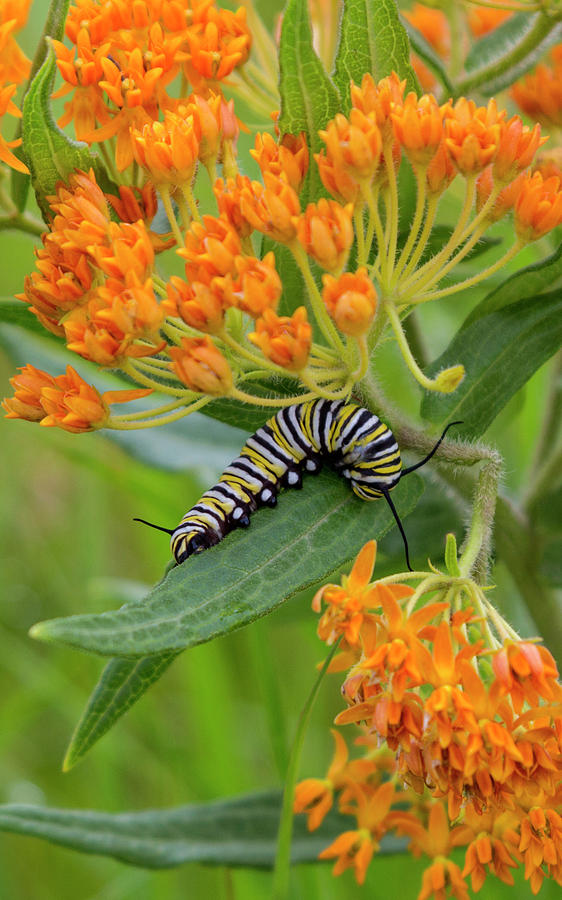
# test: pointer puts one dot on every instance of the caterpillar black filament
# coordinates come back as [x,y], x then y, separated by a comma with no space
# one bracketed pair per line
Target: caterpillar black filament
[297,439]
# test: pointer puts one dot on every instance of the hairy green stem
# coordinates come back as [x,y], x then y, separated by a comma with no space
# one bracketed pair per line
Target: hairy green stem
[543,25]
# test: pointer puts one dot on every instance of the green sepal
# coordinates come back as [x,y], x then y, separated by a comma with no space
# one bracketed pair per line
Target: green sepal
[451,557]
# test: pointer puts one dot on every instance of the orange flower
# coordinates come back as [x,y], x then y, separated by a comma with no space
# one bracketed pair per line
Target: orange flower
[120,320]
[487,850]
[516,149]
[505,200]
[201,306]
[219,45]
[355,848]
[257,285]
[541,844]
[315,796]
[473,134]
[527,672]
[539,95]
[354,144]
[351,301]
[418,125]
[207,114]
[200,365]
[325,230]
[26,402]
[270,209]
[440,171]
[289,156]
[538,208]
[349,605]
[14,64]
[381,99]
[285,340]
[135,203]
[336,180]
[82,76]
[211,248]
[66,401]
[128,250]
[167,150]
[6,106]
[441,879]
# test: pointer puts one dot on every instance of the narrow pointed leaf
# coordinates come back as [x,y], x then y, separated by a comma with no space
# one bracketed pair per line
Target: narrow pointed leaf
[372,39]
[500,352]
[526,283]
[235,832]
[250,573]
[49,153]
[309,98]
[122,683]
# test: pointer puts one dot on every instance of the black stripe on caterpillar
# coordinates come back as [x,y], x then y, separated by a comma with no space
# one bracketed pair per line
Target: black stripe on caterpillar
[299,438]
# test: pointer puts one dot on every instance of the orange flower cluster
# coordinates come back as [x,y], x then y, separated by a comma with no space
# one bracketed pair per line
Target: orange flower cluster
[126,59]
[91,285]
[14,69]
[64,401]
[464,736]
[539,94]
[439,141]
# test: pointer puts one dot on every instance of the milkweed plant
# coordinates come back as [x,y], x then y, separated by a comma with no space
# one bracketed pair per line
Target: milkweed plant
[232,220]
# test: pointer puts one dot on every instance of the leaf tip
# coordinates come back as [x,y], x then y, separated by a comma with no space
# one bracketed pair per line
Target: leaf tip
[41,631]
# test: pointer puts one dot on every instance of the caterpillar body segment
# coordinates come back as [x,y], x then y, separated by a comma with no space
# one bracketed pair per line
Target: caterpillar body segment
[297,439]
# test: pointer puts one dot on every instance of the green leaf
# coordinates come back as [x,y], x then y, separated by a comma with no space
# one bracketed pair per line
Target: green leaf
[250,573]
[49,153]
[500,352]
[309,99]
[372,39]
[237,832]
[428,55]
[526,283]
[122,683]
[502,56]
[54,28]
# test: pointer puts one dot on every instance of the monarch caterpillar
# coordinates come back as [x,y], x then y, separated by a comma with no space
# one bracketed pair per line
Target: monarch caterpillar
[295,440]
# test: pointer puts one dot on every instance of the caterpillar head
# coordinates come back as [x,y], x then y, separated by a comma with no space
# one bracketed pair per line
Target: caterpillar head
[185,545]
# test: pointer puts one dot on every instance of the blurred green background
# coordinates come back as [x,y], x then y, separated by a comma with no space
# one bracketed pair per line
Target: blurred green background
[68,545]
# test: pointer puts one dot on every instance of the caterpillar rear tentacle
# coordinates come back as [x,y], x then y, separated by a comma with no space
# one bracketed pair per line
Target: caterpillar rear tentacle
[297,439]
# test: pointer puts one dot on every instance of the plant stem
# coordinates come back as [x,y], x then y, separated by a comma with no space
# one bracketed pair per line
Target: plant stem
[280,886]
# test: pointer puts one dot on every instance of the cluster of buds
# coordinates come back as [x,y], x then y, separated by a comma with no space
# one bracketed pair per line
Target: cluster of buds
[460,724]
[228,321]
[128,64]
